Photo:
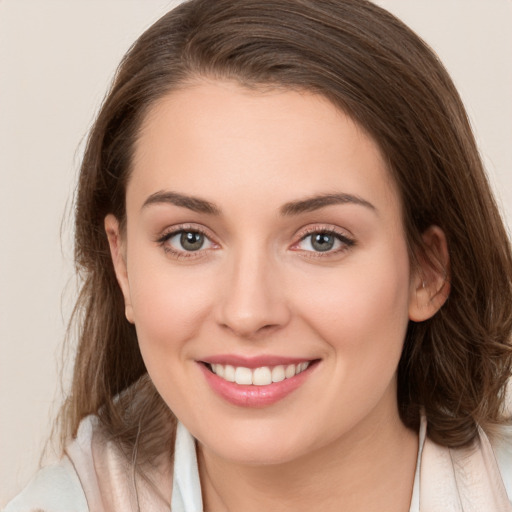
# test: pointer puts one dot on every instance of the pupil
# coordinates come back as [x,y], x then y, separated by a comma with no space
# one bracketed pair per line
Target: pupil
[323,242]
[191,241]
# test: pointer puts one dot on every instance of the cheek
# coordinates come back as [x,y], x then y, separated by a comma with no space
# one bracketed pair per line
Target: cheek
[169,304]
[361,314]
[362,309]
[170,308]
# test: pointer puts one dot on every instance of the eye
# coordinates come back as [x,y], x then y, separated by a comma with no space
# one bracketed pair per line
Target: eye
[184,241]
[320,242]
[324,241]
[188,240]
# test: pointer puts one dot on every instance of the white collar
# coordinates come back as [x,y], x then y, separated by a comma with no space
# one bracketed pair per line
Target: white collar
[463,480]
[186,488]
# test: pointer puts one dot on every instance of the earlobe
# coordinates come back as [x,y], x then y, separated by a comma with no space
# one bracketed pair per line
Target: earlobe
[430,285]
[119,260]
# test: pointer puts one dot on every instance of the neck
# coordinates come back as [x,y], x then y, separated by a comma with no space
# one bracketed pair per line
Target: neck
[371,468]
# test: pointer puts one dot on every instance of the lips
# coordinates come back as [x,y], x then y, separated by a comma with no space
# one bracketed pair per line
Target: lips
[256,382]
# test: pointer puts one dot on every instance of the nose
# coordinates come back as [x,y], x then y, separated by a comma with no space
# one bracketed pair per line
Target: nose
[253,300]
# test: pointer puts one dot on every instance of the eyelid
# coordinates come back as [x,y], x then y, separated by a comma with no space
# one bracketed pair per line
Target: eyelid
[168,232]
[171,231]
[345,237]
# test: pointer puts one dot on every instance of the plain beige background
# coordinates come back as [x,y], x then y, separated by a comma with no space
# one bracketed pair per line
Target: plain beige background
[56,60]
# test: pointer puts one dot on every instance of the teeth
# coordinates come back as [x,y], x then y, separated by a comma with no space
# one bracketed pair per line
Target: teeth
[243,375]
[219,370]
[262,376]
[290,371]
[278,374]
[229,373]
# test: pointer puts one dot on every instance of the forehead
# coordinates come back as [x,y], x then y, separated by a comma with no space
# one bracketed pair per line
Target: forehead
[221,138]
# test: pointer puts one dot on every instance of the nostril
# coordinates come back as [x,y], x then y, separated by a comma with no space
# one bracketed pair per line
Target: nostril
[250,331]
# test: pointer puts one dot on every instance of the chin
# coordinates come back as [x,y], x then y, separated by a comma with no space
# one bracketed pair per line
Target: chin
[258,445]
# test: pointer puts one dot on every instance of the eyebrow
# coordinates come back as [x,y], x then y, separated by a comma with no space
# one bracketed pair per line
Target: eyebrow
[320,201]
[192,203]
[309,204]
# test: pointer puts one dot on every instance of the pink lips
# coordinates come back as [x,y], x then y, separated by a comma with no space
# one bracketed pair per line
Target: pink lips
[251,395]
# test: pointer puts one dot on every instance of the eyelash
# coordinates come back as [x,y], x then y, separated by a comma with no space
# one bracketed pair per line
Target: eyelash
[346,242]
[183,254]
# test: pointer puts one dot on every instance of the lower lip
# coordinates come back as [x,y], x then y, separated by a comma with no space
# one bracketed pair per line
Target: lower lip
[254,396]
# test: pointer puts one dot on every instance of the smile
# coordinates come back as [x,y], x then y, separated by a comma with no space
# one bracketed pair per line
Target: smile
[260,383]
[262,376]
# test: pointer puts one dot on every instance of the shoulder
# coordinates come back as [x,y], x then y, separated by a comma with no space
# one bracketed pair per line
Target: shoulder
[95,471]
[502,447]
[59,487]
[54,488]
[474,477]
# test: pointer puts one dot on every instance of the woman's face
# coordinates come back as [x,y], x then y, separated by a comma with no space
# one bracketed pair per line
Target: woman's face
[264,242]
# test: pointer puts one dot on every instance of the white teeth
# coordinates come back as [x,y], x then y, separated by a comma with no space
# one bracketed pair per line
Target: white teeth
[290,371]
[229,373]
[219,370]
[243,375]
[302,367]
[278,374]
[262,376]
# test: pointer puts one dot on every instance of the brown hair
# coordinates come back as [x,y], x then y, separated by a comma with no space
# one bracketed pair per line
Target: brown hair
[369,64]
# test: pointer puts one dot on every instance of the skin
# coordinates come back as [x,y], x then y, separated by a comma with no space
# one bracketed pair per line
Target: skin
[257,286]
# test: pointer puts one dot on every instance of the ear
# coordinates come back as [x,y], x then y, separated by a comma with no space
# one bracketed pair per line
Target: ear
[118,254]
[430,285]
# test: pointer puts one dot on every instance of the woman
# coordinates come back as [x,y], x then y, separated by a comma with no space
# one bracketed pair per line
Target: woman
[297,285]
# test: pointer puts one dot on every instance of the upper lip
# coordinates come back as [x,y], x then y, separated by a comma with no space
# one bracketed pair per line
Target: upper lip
[254,361]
